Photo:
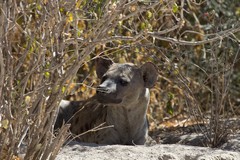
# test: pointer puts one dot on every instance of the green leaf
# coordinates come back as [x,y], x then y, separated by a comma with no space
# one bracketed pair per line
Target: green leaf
[169,108]
[170,95]
[175,8]
[63,89]
[149,14]
[142,25]
[237,12]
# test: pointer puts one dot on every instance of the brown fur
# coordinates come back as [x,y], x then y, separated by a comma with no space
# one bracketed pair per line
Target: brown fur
[119,106]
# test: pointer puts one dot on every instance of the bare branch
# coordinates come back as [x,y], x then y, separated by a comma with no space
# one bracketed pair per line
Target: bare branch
[218,36]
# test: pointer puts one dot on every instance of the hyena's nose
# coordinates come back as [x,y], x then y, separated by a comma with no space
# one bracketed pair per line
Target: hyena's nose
[102,89]
[107,86]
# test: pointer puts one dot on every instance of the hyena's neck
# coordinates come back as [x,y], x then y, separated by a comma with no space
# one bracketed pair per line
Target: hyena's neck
[130,121]
[135,109]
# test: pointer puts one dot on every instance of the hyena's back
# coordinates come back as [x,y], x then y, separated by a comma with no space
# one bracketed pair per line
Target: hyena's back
[84,116]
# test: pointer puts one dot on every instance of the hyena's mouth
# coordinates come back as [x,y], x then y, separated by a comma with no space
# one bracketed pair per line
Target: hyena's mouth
[107,99]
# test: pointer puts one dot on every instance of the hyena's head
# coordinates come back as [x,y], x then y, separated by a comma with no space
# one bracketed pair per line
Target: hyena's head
[123,84]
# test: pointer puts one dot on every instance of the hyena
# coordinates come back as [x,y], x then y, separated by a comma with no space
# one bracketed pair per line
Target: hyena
[119,105]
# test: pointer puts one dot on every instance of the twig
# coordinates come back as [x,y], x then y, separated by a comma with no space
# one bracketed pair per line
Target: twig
[218,36]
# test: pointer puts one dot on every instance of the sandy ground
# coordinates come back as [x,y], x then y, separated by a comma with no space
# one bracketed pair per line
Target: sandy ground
[77,151]
[173,146]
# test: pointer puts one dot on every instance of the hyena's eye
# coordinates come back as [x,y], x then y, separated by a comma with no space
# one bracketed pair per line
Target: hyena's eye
[103,78]
[123,82]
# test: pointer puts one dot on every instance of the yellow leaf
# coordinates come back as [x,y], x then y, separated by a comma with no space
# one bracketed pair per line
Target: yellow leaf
[5,124]
[27,99]
[78,4]
[133,8]
[16,158]
[70,17]
[45,1]
[81,25]
[83,88]
[47,74]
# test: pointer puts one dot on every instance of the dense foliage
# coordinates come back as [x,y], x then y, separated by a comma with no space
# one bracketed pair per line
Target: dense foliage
[47,52]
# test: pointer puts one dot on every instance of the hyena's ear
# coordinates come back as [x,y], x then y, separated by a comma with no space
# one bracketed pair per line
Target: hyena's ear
[102,65]
[149,73]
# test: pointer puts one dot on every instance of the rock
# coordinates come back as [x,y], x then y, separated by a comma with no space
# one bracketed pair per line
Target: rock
[77,151]
[233,144]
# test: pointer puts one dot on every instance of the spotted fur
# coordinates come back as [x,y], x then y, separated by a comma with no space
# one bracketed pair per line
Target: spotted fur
[117,113]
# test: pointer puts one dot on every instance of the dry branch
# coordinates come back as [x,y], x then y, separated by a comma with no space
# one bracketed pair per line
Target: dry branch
[216,37]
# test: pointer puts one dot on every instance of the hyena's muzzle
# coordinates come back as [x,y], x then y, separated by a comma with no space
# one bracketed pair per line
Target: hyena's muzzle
[107,92]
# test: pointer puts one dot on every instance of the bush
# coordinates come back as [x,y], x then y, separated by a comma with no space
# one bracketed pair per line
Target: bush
[47,48]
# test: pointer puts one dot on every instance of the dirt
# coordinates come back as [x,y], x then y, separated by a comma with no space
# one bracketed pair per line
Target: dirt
[77,151]
[157,152]
[174,144]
